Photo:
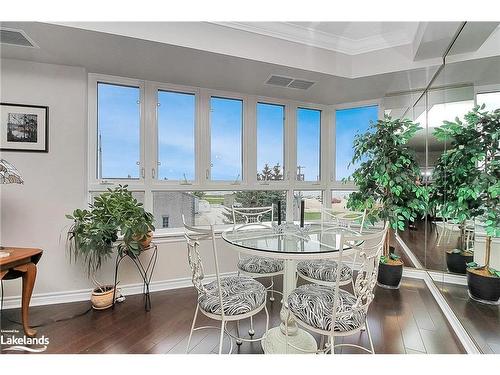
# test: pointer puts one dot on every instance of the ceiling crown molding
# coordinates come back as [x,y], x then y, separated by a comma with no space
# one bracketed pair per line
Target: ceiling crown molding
[317,38]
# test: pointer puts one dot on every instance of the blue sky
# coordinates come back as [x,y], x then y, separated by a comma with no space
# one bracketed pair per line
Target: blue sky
[348,123]
[176,124]
[226,125]
[308,142]
[270,131]
[119,127]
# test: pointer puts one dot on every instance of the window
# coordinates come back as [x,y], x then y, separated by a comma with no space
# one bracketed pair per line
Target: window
[490,99]
[165,222]
[138,195]
[348,123]
[118,131]
[226,130]
[308,144]
[312,205]
[339,200]
[215,206]
[440,112]
[157,137]
[270,141]
[171,205]
[176,127]
[210,207]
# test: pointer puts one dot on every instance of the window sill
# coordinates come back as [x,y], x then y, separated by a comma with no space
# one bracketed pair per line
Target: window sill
[177,234]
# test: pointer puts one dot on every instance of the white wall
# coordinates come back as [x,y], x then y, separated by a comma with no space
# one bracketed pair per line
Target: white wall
[32,215]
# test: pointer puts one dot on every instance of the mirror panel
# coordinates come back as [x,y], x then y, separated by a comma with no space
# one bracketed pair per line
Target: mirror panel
[453,233]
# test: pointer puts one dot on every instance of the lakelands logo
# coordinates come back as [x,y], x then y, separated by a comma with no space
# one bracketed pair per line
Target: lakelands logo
[22,343]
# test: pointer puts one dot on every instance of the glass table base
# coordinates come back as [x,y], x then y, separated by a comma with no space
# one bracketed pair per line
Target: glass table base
[275,342]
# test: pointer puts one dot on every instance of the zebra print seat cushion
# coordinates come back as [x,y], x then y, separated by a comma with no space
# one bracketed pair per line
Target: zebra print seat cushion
[313,304]
[260,265]
[240,295]
[324,270]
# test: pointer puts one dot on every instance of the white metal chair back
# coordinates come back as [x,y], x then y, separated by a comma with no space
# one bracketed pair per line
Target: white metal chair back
[193,236]
[342,219]
[251,215]
[368,248]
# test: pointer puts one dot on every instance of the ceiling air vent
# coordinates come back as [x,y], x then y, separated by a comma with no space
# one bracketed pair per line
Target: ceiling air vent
[289,82]
[300,84]
[279,81]
[15,37]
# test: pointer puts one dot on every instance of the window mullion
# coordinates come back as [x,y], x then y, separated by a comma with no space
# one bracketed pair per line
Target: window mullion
[203,140]
[291,144]
[250,142]
[149,142]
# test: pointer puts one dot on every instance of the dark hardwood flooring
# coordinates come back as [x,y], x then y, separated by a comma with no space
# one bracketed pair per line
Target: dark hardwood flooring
[481,321]
[407,320]
[427,251]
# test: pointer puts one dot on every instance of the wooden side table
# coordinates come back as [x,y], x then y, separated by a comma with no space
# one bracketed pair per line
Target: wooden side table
[22,263]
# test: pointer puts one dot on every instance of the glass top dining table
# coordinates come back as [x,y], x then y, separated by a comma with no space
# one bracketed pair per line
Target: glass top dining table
[291,245]
[313,243]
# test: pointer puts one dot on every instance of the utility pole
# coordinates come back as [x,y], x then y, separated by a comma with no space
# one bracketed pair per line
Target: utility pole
[300,175]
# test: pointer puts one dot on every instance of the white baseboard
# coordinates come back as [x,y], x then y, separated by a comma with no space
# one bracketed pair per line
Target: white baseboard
[40,299]
[450,278]
[414,273]
[409,253]
[437,276]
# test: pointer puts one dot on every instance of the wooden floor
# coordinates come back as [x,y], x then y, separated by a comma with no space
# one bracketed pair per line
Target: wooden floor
[431,255]
[481,321]
[407,320]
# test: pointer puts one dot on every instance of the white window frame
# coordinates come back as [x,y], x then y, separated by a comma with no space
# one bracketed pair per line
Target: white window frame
[152,89]
[280,184]
[485,89]
[148,182]
[95,183]
[322,147]
[338,184]
[218,184]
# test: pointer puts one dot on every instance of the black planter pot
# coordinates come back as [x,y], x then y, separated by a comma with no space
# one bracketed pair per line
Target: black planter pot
[457,262]
[389,275]
[485,289]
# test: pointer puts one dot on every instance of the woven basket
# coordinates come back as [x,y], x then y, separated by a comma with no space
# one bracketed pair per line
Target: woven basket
[102,299]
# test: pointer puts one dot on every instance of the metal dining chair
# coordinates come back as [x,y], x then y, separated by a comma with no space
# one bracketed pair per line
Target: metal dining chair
[334,312]
[324,271]
[343,219]
[256,266]
[226,299]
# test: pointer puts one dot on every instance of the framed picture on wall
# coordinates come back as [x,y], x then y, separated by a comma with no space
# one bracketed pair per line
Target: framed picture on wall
[24,127]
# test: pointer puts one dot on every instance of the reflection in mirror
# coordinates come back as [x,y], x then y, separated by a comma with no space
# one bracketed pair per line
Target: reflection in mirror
[464,206]
[446,247]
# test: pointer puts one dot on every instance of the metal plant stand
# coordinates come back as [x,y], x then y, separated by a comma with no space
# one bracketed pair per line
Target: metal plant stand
[145,270]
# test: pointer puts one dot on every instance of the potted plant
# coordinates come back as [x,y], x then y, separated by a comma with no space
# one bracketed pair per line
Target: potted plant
[476,184]
[388,185]
[133,222]
[95,232]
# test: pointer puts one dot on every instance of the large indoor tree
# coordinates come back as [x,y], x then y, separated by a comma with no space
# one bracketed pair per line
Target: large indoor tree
[467,178]
[388,176]
[454,194]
